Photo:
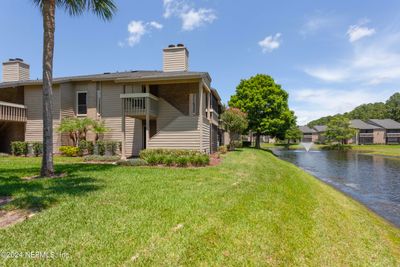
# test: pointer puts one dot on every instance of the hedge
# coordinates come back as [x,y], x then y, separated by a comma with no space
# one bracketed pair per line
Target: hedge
[171,157]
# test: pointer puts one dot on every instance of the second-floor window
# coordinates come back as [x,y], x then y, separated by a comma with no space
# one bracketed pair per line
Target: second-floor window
[81,103]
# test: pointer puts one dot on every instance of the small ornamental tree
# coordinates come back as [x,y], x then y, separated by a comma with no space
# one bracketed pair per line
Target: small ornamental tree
[266,106]
[78,128]
[339,130]
[235,122]
[293,133]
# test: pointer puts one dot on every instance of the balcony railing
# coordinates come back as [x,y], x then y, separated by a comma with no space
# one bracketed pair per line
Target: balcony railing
[12,112]
[393,134]
[137,105]
[366,134]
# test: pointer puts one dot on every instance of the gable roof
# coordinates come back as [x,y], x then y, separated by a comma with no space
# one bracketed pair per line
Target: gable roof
[359,124]
[386,123]
[320,128]
[117,77]
[306,129]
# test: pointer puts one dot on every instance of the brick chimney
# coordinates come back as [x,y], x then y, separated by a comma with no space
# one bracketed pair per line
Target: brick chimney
[15,69]
[176,58]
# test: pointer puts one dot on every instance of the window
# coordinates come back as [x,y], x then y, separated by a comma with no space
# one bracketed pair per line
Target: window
[193,104]
[81,103]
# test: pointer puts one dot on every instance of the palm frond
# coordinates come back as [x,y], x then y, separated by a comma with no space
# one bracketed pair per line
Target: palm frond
[105,9]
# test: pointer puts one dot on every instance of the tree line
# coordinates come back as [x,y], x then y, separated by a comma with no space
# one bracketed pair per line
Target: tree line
[379,110]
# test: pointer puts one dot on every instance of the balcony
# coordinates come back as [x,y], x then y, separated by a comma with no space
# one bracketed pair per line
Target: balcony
[138,104]
[393,135]
[366,134]
[12,112]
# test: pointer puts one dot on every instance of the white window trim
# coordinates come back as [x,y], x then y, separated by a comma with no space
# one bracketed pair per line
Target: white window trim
[76,103]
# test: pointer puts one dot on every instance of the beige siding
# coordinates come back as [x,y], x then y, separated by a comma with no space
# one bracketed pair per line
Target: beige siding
[181,133]
[206,135]
[15,71]
[176,59]
[68,100]
[112,116]
[379,136]
[167,113]
[34,125]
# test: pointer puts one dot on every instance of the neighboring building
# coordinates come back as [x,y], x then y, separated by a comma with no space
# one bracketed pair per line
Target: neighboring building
[174,108]
[391,130]
[309,134]
[367,133]
[321,130]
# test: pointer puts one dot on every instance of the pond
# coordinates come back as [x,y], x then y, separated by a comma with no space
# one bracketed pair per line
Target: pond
[371,179]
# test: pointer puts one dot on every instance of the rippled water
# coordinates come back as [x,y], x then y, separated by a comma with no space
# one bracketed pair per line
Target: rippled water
[371,179]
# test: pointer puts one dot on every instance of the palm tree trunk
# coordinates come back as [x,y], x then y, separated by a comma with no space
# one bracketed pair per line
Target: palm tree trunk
[48,51]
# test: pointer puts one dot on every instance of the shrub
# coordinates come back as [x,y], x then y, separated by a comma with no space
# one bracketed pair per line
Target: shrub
[223,149]
[132,162]
[237,144]
[152,159]
[86,147]
[37,148]
[97,158]
[107,147]
[169,160]
[182,161]
[69,151]
[19,148]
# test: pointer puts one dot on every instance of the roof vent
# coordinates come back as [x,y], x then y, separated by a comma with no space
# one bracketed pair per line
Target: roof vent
[180,45]
[171,45]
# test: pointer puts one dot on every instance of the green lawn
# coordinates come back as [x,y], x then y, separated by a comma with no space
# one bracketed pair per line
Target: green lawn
[385,150]
[253,209]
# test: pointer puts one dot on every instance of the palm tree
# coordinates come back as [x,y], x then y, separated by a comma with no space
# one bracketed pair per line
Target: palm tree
[105,9]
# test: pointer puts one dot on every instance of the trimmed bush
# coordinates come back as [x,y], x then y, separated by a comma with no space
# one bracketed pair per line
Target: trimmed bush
[86,147]
[69,151]
[97,158]
[37,149]
[107,147]
[171,157]
[19,148]
[132,162]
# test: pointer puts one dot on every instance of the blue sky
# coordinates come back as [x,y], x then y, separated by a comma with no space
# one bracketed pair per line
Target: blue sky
[329,55]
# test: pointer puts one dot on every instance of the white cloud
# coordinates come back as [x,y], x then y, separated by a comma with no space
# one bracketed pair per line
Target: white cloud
[156,25]
[315,23]
[270,43]
[371,63]
[312,104]
[358,31]
[137,29]
[326,74]
[191,17]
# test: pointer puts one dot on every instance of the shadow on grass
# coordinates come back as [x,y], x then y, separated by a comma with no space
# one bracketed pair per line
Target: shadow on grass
[41,193]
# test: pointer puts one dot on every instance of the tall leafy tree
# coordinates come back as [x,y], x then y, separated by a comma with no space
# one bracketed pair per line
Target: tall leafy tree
[393,107]
[102,8]
[339,130]
[293,134]
[266,105]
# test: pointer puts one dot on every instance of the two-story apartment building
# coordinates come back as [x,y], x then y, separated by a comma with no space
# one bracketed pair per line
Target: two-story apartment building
[391,130]
[174,108]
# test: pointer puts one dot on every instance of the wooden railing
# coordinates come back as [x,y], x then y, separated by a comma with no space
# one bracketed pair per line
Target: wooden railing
[366,134]
[12,112]
[137,105]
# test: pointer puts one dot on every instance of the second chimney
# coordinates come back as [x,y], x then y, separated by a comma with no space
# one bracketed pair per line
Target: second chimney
[176,58]
[15,69]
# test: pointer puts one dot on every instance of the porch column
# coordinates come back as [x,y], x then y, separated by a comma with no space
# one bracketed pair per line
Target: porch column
[123,154]
[209,105]
[201,114]
[147,116]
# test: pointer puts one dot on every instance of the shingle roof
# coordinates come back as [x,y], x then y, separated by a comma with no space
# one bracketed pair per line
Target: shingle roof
[320,128]
[116,76]
[306,129]
[386,123]
[359,124]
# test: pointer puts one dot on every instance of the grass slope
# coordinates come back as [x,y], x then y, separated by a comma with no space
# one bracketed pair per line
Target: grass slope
[253,209]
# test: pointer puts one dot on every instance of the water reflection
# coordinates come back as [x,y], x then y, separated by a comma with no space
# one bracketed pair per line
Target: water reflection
[371,179]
